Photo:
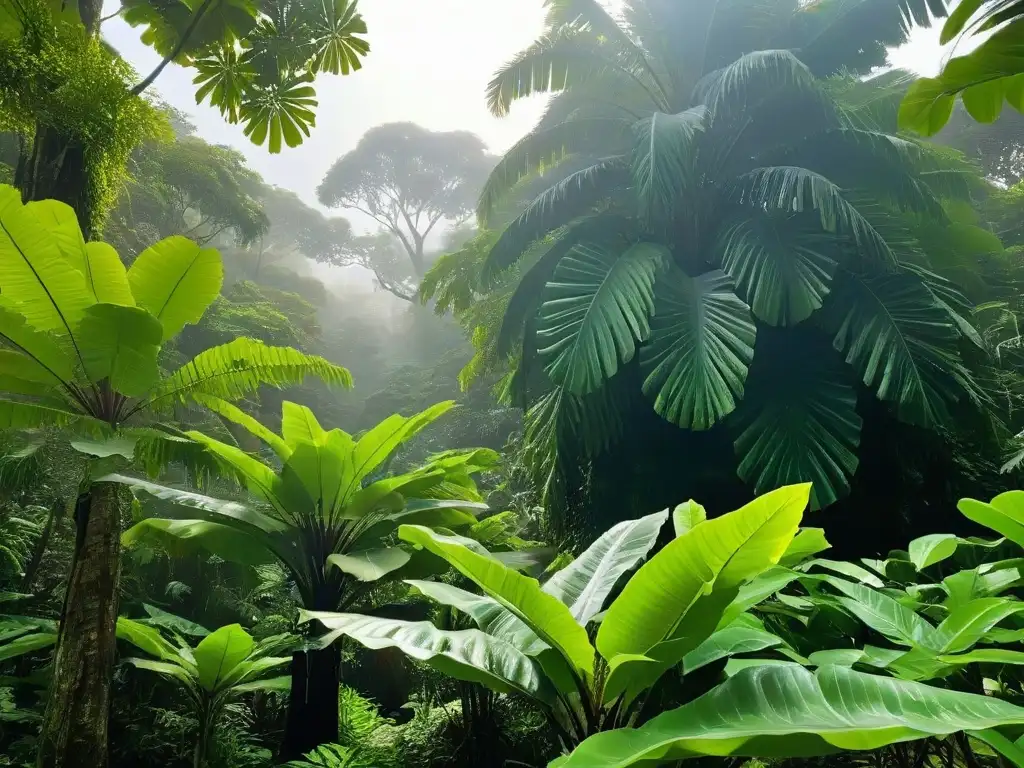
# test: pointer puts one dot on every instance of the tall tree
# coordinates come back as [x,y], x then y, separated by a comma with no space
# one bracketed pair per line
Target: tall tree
[724,217]
[409,179]
[81,339]
[187,187]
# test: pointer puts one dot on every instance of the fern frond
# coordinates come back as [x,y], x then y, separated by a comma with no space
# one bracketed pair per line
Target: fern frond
[233,370]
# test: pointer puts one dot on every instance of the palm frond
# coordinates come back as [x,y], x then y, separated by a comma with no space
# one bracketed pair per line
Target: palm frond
[761,73]
[901,343]
[664,159]
[595,311]
[554,62]
[782,266]
[591,15]
[561,427]
[233,370]
[798,422]
[793,190]
[889,167]
[546,148]
[569,199]
[832,35]
[608,230]
[702,341]
[453,281]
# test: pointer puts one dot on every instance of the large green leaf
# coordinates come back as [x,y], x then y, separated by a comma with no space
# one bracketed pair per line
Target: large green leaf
[520,594]
[783,268]
[798,421]
[38,281]
[928,550]
[183,536]
[787,711]
[106,276]
[984,77]
[490,615]
[337,26]
[702,341]
[806,544]
[595,309]
[219,653]
[664,166]
[280,110]
[120,344]
[147,639]
[370,564]
[36,358]
[882,613]
[738,637]
[967,624]
[586,582]
[901,343]
[299,423]
[236,415]
[467,654]
[379,442]
[186,26]
[1004,514]
[175,280]
[719,554]
[687,515]
[161,618]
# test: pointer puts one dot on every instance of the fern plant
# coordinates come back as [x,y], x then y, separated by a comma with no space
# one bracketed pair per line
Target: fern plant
[330,756]
[733,247]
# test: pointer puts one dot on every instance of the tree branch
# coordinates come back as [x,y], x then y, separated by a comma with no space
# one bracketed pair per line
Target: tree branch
[178,48]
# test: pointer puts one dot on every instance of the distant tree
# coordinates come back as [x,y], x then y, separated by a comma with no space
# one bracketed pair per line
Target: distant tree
[187,187]
[408,179]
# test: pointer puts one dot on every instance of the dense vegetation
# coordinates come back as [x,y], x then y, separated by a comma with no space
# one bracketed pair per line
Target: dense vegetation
[276,489]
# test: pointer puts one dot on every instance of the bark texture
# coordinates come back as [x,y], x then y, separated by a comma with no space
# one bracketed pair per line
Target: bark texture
[313,705]
[74,730]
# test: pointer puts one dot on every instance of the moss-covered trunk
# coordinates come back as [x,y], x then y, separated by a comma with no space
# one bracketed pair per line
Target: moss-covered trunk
[74,730]
[53,166]
[55,169]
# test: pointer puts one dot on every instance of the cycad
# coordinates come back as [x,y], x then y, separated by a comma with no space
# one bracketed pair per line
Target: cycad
[81,342]
[326,512]
[748,205]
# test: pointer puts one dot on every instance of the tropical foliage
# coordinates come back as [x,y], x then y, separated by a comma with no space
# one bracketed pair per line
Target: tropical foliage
[683,609]
[702,245]
[983,78]
[255,62]
[325,515]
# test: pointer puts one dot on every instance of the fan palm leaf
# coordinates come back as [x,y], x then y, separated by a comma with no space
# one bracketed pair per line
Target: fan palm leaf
[799,419]
[595,311]
[702,341]
[901,343]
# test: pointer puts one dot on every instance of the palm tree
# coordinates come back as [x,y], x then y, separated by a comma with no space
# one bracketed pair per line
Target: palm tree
[730,241]
[326,511]
[81,337]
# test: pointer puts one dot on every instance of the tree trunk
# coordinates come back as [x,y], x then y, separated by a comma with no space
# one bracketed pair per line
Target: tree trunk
[313,704]
[74,730]
[55,169]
